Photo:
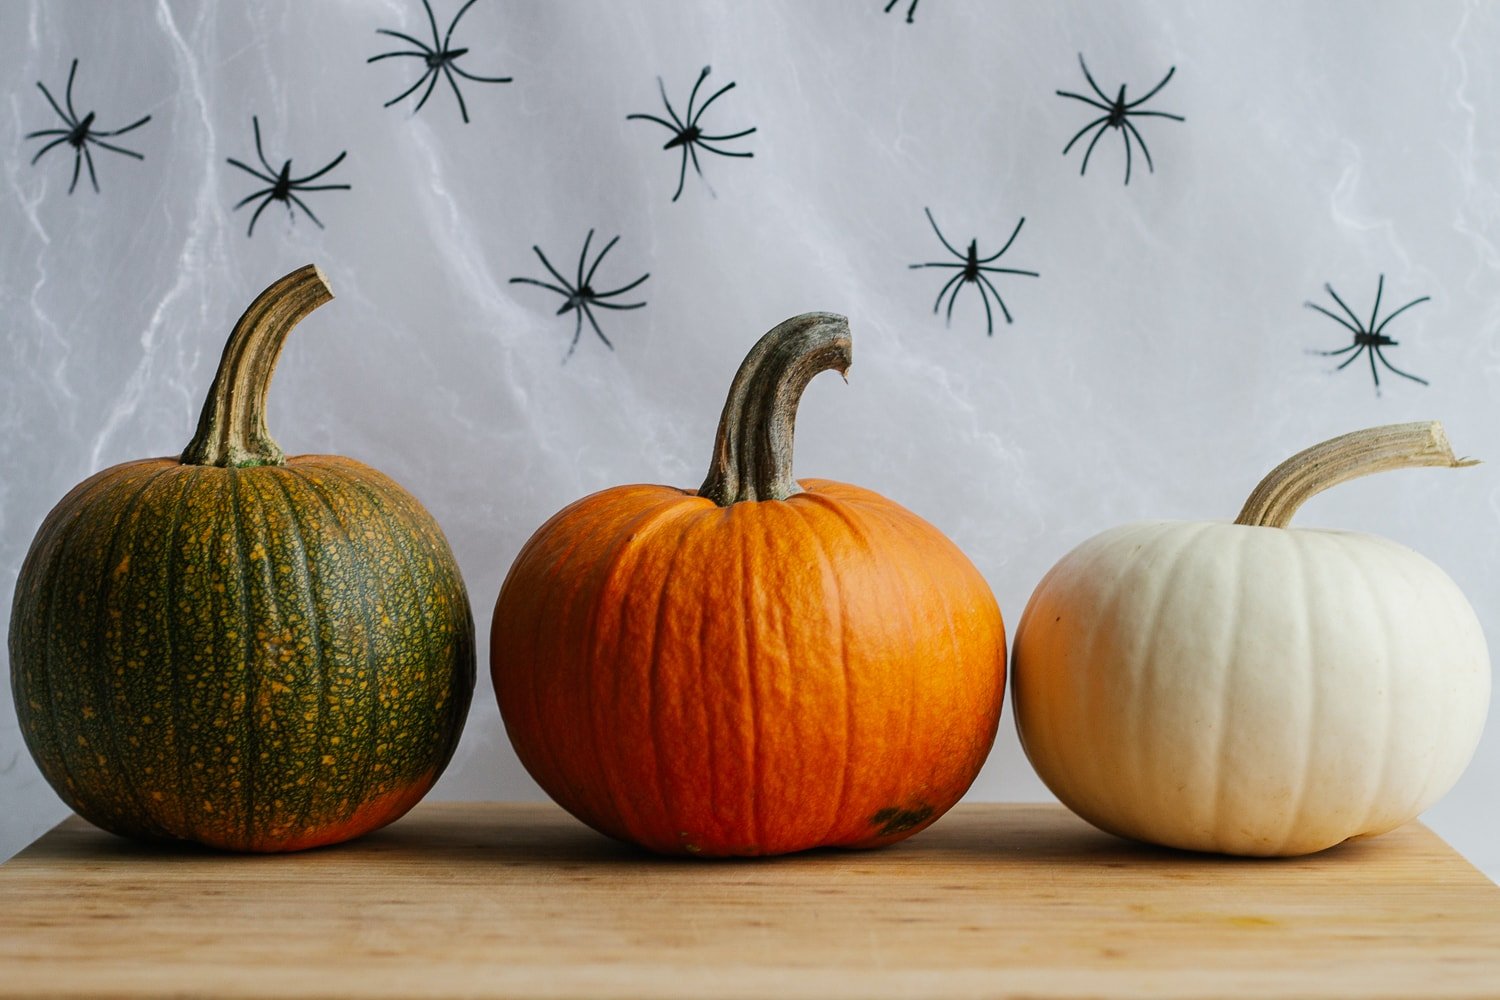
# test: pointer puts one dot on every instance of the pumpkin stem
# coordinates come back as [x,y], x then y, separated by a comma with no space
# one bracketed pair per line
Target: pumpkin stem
[232,429]
[753,449]
[1287,487]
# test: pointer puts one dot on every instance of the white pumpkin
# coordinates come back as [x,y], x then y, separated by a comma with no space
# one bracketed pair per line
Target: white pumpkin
[1251,688]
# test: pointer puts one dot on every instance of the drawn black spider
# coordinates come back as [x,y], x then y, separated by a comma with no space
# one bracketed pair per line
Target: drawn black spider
[283,184]
[440,59]
[79,133]
[1369,338]
[579,296]
[1117,114]
[688,134]
[910,11]
[971,268]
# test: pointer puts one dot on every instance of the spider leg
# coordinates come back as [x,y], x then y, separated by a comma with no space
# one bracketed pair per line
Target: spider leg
[481,79]
[1085,100]
[303,205]
[427,50]
[942,239]
[1358,327]
[621,291]
[1374,372]
[1146,152]
[911,12]
[1016,232]
[432,23]
[548,265]
[944,291]
[1398,312]
[68,95]
[254,121]
[541,284]
[1154,114]
[577,329]
[1352,358]
[688,115]
[663,88]
[420,80]
[48,131]
[958,264]
[1090,78]
[998,299]
[250,170]
[1090,150]
[454,23]
[1334,354]
[1152,92]
[989,317]
[428,92]
[1124,135]
[583,256]
[54,142]
[462,108]
[77,163]
[681,173]
[115,149]
[948,320]
[722,152]
[597,261]
[717,94]
[1378,353]
[70,119]
[613,305]
[1009,270]
[256,215]
[249,198]
[312,177]
[320,187]
[653,118]
[88,158]
[392,55]
[1351,327]
[1080,133]
[890,5]
[127,128]
[724,138]
[1375,313]
[584,308]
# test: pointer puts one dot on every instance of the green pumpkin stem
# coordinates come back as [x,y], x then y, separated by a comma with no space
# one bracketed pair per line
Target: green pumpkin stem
[1287,487]
[232,429]
[753,449]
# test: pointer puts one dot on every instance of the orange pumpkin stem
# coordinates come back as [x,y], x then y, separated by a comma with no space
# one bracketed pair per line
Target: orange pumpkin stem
[753,449]
[1287,487]
[232,428]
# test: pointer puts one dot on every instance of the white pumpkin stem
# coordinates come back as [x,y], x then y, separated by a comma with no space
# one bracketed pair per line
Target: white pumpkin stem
[753,449]
[1291,484]
[232,428]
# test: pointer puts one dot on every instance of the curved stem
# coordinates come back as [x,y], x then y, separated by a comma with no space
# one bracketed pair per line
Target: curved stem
[753,449]
[232,428]
[1287,487]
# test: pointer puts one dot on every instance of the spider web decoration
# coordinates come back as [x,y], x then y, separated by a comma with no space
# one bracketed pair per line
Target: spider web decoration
[687,133]
[1368,338]
[283,186]
[440,59]
[80,133]
[579,295]
[1117,115]
[910,11]
[972,268]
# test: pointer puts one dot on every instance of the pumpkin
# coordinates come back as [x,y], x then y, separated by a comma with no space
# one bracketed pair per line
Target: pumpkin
[758,666]
[1253,688]
[234,647]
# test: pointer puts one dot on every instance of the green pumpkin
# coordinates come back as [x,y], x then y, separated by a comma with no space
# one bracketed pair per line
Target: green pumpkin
[238,648]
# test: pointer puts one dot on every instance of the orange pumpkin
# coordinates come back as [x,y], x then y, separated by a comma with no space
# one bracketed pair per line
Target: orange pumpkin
[757,666]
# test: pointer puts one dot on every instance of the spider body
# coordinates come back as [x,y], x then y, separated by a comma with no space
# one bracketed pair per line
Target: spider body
[283,186]
[1117,115]
[579,295]
[687,134]
[439,58]
[79,133]
[970,268]
[1368,338]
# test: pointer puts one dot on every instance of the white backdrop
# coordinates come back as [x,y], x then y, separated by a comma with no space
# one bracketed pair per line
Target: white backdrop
[1157,367]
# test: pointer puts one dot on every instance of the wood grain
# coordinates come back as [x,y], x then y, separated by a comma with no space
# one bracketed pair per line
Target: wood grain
[487,900]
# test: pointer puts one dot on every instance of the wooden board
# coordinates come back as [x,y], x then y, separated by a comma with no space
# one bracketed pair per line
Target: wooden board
[481,900]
